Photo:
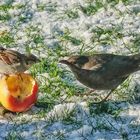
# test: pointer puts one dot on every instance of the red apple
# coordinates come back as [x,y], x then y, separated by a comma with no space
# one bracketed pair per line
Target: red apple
[18,92]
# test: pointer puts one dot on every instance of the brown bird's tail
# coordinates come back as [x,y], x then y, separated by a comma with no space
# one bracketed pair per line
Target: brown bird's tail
[136,61]
[137,57]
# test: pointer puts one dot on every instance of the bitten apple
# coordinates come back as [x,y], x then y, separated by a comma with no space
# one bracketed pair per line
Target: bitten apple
[18,92]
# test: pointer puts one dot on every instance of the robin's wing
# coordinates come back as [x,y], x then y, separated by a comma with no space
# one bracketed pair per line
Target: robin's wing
[111,65]
[10,57]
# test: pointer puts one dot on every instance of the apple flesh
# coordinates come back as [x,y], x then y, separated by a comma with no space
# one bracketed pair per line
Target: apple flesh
[18,92]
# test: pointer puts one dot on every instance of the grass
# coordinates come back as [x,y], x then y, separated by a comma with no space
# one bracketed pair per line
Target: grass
[72,13]
[54,81]
[49,7]
[57,85]
[6,38]
[106,36]
[67,38]
[5,17]
[5,7]
[91,8]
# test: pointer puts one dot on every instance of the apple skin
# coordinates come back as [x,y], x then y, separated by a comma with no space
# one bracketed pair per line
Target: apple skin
[18,86]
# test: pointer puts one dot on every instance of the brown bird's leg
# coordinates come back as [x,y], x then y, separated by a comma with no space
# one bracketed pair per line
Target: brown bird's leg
[89,92]
[103,100]
[20,76]
[5,74]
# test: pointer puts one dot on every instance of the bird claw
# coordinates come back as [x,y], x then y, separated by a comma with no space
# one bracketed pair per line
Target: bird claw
[104,99]
[19,75]
[100,102]
[85,94]
[4,74]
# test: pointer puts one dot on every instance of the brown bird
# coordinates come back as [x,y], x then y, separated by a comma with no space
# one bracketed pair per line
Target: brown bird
[103,71]
[13,62]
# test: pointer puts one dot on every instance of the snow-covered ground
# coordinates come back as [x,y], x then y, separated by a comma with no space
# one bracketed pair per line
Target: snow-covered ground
[73,27]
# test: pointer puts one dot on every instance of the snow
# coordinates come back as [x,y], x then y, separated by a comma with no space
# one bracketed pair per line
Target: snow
[74,121]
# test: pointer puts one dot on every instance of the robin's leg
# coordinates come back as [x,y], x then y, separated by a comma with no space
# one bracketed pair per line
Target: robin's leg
[103,100]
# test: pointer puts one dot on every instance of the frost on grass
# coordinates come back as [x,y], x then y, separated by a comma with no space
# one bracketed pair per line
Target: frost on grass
[53,29]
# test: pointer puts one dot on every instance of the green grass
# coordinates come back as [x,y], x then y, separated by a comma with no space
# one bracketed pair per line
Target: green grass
[115,2]
[6,7]
[107,36]
[5,17]
[13,135]
[104,36]
[72,13]
[49,7]
[91,8]
[50,87]
[6,38]
[57,84]
[68,38]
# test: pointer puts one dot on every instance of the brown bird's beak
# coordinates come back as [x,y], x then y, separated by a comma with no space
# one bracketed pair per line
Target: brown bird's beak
[38,60]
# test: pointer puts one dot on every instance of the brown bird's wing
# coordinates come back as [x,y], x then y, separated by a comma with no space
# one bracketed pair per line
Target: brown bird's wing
[112,66]
[10,57]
